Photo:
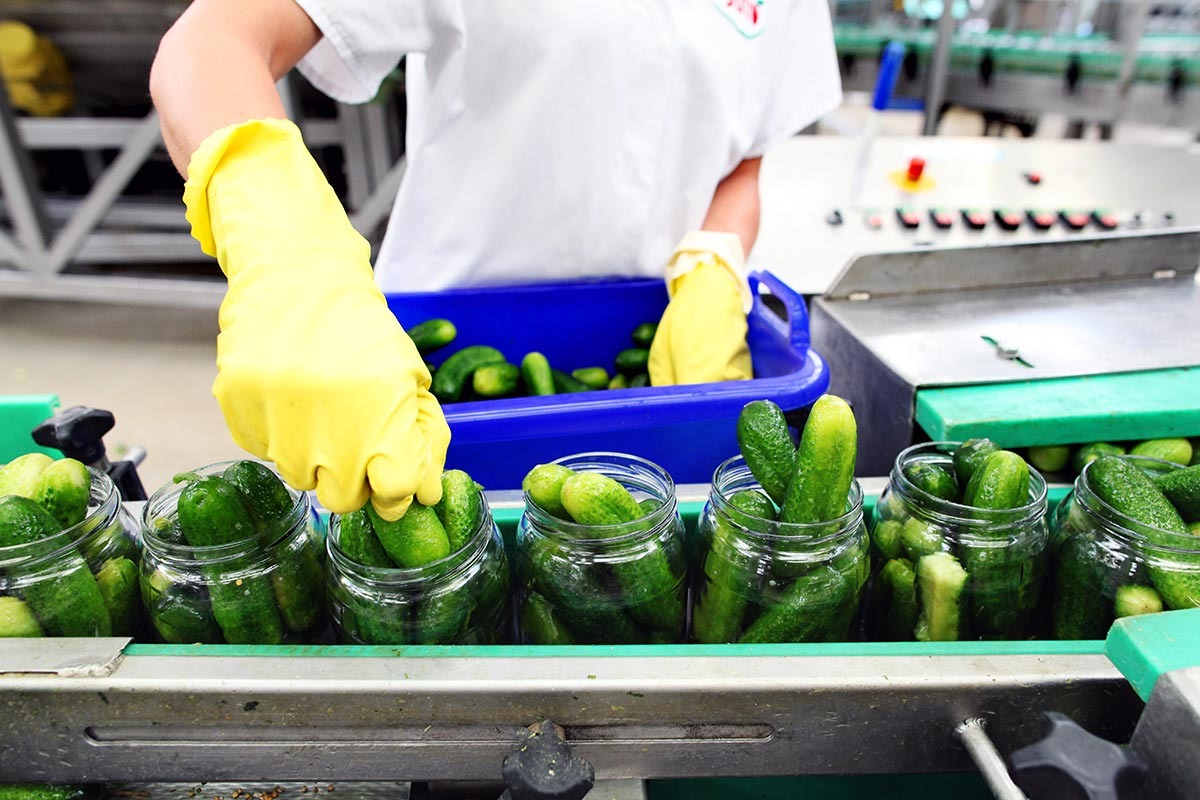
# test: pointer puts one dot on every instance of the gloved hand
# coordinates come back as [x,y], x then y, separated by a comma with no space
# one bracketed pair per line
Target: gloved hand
[702,335]
[314,373]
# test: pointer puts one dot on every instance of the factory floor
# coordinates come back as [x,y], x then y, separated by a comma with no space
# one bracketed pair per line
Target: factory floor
[153,368]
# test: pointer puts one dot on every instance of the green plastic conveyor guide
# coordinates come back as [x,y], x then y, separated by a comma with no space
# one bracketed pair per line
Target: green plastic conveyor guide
[1147,647]
[1076,410]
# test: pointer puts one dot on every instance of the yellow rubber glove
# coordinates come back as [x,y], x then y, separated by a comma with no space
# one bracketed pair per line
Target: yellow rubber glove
[314,373]
[702,335]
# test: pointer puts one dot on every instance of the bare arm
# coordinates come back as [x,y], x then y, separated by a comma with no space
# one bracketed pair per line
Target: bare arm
[735,205]
[218,64]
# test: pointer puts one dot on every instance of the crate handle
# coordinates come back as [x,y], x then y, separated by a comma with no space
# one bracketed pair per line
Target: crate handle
[797,312]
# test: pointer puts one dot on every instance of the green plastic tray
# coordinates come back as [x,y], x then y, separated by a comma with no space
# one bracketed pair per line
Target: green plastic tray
[1147,646]
[1120,407]
[19,414]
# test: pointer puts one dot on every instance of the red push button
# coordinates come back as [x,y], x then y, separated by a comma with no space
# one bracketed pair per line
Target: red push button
[1034,178]
[1075,220]
[1008,220]
[873,220]
[908,218]
[941,218]
[1041,220]
[974,219]
[1105,221]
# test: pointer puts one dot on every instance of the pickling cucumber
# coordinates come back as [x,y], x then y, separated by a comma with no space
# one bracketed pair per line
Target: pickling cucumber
[807,610]
[933,479]
[618,382]
[895,604]
[180,613]
[595,499]
[117,580]
[540,624]
[1133,599]
[1050,458]
[17,621]
[432,334]
[886,539]
[63,488]
[969,455]
[544,485]
[1000,482]
[577,594]
[632,361]
[1182,488]
[639,381]
[460,507]
[357,540]
[730,577]
[496,380]
[535,370]
[592,377]
[1090,452]
[940,582]
[416,539]
[824,468]
[20,475]
[451,378]
[1176,450]
[565,384]
[767,446]
[643,335]
[921,538]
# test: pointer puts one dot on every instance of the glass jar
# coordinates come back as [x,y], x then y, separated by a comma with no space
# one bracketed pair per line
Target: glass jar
[605,584]
[266,588]
[760,580]
[81,581]
[985,569]
[460,599]
[1099,554]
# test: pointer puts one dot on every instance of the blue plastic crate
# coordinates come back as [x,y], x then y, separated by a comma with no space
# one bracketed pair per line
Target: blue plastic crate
[688,430]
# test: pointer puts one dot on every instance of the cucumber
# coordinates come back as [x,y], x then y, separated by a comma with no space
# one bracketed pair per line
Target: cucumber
[442,618]
[1176,450]
[535,370]
[824,468]
[1194,528]
[63,489]
[565,384]
[808,609]
[1182,488]
[539,623]
[886,539]
[921,538]
[1050,458]
[632,361]
[376,621]
[180,613]
[639,381]
[577,594]
[618,382]
[68,602]
[211,513]
[933,479]
[1132,600]
[651,587]
[452,376]
[17,620]
[730,579]
[595,499]
[20,475]
[643,335]
[432,334]
[1126,488]
[649,505]
[496,380]
[940,582]
[1090,452]
[766,445]
[591,377]
[460,507]
[416,539]
[544,485]
[969,455]
[357,540]
[1079,608]
[895,604]
[267,499]
[117,580]
[999,483]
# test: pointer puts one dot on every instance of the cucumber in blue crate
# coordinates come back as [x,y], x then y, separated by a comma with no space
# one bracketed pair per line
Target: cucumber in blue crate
[432,334]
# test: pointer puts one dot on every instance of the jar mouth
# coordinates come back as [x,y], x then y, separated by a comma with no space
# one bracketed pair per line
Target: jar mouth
[734,475]
[162,508]
[636,474]
[941,510]
[103,505]
[444,568]
[1126,526]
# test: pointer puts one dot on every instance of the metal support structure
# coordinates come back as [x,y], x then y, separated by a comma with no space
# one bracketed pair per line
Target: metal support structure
[431,713]
[939,68]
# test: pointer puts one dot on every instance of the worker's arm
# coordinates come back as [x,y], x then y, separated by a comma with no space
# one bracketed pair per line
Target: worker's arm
[702,334]
[735,205]
[218,64]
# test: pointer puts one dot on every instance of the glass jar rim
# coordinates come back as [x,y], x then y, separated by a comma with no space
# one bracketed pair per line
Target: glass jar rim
[586,536]
[460,560]
[94,521]
[169,493]
[1129,528]
[809,532]
[960,514]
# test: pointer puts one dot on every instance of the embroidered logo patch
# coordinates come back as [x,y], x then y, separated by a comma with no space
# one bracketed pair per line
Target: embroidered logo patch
[746,15]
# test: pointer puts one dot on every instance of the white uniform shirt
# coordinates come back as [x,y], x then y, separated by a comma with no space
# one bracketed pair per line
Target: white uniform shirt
[564,139]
